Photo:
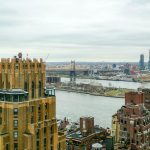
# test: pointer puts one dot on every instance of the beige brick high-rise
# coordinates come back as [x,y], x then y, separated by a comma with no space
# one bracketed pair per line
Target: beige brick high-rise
[27,116]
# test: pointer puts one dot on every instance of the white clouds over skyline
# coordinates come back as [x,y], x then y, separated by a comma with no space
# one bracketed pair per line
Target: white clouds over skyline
[85,30]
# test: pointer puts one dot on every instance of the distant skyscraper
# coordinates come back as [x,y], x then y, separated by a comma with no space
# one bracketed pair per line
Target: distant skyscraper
[141,62]
[149,61]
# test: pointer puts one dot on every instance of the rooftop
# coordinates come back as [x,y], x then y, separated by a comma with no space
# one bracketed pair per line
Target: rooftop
[13,95]
[13,91]
[78,135]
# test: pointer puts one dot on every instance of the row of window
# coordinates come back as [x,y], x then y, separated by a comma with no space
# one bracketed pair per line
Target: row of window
[32,108]
[15,122]
[45,130]
[25,66]
[15,146]
[15,112]
[45,141]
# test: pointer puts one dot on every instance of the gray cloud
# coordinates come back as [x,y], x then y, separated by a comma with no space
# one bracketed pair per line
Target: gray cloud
[76,29]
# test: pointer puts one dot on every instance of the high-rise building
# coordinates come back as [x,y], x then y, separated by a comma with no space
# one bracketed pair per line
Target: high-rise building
[133,120]
[27,111]
[141,62]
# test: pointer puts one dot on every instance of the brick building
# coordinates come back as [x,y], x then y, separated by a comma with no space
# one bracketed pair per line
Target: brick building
[147,97]
[27,111]
[87,135]
[134,122]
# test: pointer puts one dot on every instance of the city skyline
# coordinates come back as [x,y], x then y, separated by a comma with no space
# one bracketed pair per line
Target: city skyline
[98,30]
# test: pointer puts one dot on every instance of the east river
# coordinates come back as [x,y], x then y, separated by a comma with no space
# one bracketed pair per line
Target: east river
[107,83]
[73,105]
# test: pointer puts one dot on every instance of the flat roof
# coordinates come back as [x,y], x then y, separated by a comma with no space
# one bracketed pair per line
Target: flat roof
[78,136]
[13,91]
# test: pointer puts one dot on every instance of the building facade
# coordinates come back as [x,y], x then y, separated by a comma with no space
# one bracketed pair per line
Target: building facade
[115,128]
[27,111]
[88,135]
[147,97]
[134,120]
[141,62]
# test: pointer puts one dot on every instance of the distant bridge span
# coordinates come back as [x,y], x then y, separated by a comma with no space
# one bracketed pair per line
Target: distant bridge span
[66,71]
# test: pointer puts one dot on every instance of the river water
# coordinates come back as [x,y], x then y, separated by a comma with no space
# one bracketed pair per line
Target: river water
[74,105]
[107,83]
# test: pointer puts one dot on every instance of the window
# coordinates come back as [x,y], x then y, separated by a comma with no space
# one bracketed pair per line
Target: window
[15,98]
[15,134]
[38,133]
[33,89]
[15,111]
[52,129]
[15,123]
[44,130]
[59,146]
[21,98]
[124,129]
[0,120]
[51,140]
[0,109]
[1,97]
[17,66]
[8,97]
[15,146]
[39,108]
[45,142]
[3,67]
[46,106]
[46,117]
[37,144]
[7,147]
[32,119]
[39,117]
[25,86]
[84,126]
[32,109]
[40,88]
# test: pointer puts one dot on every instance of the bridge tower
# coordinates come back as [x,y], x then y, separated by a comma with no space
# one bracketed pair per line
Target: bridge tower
[72,71]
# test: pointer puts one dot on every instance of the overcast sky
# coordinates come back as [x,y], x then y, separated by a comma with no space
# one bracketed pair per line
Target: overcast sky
[84,30]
